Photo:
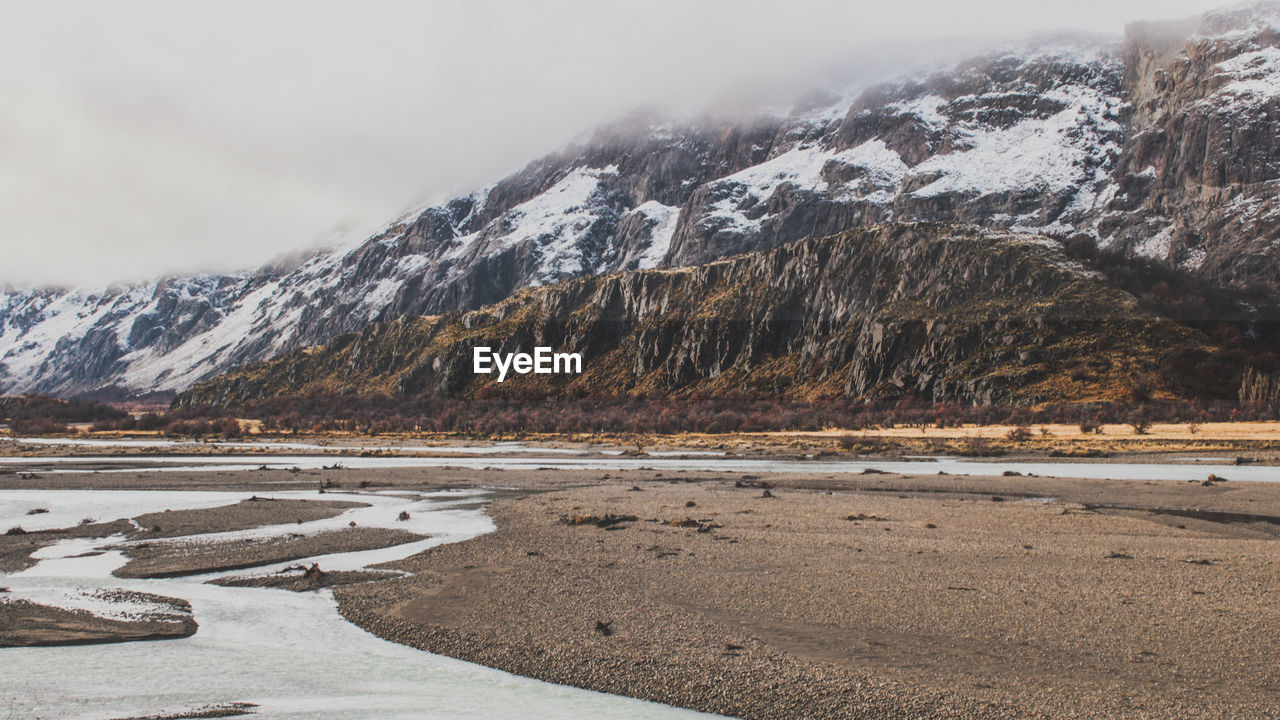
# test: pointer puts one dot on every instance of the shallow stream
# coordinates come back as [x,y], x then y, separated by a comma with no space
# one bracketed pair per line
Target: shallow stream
[290,653]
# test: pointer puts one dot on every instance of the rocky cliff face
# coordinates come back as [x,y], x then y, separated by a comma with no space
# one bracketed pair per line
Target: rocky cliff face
[1197,183]
[1163,145]
[947,312]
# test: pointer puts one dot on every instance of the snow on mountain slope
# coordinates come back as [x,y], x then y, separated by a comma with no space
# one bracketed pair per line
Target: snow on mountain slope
[1067,137]
[1058,153]
[1253,76]
[1198,182]
[1023,139]
[662,225]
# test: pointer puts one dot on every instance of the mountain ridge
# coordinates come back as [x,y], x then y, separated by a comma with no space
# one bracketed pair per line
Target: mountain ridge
[944,312]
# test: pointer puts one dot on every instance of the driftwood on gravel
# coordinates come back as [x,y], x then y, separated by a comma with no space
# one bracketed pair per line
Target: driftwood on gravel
[600,521]
[300,579]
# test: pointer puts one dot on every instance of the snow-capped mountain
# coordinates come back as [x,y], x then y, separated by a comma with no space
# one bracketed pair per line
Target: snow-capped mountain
[1164,144]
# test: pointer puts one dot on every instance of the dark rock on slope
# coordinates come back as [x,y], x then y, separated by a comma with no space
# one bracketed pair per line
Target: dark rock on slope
[951,313]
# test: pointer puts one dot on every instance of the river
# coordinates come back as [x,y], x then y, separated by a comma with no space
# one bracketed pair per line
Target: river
[290,653]
[1184,470]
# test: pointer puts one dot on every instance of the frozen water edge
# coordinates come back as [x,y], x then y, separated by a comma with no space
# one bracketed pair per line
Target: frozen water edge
[100,602]
[291,653]
[499,448]
[491,449]
[1092,470]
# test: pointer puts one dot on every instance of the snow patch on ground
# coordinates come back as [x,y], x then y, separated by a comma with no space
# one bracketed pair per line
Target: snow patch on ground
[1194,259]
[1057,154]
[379,295]
[1158,246]
[801,167]
[664,218]
[557,221]
[1253,77]
[928,108]
[562,206]
[883,173]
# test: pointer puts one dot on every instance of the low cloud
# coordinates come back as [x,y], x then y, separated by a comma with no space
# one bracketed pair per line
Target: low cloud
[143,138]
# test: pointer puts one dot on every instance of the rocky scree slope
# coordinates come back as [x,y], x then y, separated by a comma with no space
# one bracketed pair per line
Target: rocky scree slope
[1162,145]
[946,312]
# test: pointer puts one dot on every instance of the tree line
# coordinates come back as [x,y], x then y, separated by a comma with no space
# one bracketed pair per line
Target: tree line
[506,414]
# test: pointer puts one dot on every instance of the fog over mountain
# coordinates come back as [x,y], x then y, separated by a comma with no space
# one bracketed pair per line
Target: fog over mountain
[144,138]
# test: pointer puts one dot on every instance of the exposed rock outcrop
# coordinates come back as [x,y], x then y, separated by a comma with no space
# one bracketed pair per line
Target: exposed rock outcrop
[947,312]
[1198,182]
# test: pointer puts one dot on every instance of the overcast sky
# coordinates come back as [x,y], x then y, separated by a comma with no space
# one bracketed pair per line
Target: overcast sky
[142,138]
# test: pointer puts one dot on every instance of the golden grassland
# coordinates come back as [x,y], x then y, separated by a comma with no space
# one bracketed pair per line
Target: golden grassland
[1185,432]
[1051,440]
[1046,439]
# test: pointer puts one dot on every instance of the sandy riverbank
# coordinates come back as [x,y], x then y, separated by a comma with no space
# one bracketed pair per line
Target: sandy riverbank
[891,597]
[874,595]
[176,559]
